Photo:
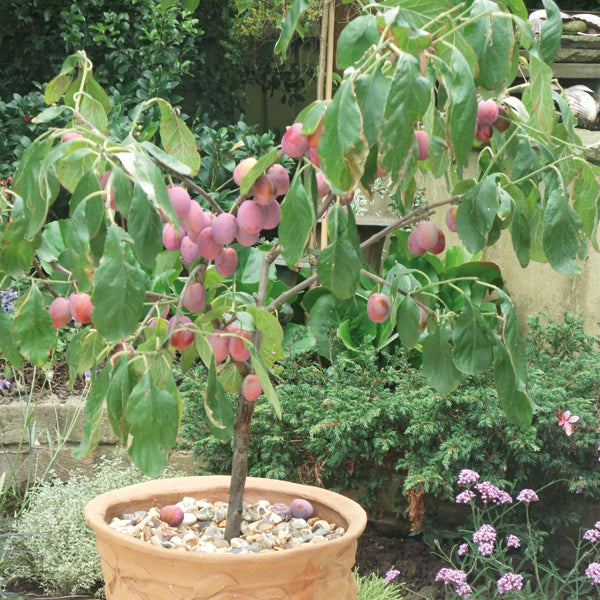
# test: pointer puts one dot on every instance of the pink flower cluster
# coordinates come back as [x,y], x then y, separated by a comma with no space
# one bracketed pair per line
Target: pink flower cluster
[485,536]
[509,582]
[491,493]
[593,572]
[462,549]
[526,495]
[512,541]
[593,535]
[457,578]
[465,497]
[467,477]
[391,575]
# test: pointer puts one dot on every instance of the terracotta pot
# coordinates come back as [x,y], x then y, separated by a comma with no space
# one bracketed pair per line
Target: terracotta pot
[135,570]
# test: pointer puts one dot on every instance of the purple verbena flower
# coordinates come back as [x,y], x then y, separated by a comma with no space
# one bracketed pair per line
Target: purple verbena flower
[4,384]
[504,498]
[486,533]
[391,575]
[526,495]
[512,541]
[591,535]
[462,549]
[467,477]
[593,572]
[456,577]
[489,492]
[509,582]
[465,497]
[7,299]
[486,548]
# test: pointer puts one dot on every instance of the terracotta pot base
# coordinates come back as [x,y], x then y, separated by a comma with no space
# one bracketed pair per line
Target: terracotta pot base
[134,570]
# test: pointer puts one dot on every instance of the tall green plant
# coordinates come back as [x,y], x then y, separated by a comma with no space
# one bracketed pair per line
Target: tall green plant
[407,68]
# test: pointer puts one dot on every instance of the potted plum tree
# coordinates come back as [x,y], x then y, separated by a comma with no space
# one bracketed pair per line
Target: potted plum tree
[153,271]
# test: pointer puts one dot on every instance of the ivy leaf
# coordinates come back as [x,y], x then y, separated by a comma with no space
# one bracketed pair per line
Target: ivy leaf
[438,362]
[32,328]
[473,348]
[119,288]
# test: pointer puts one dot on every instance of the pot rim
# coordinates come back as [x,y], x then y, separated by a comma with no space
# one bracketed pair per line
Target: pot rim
[103,507]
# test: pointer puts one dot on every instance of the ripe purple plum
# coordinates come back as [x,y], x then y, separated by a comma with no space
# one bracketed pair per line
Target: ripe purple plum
[182,332]
[427,235]
[483,132]
[502,123]
[226,261]
[195,220]
[247,239]
[207,246]
[301,509]
[293,143]
[251,388]
[71,135]
[323,187]
[242,168]
[171,515]
[272,215]
[251,216]
[219,344]
[224,228]
[103,180]
[440,246]
[180,200]
[170,237]
[195,297]
[81,307]
[237,348]
[451,217]
[265,188]
[378,307]
[60,311]
[413,244]
[487,111]
[189,250]
[281,177]
[422,144]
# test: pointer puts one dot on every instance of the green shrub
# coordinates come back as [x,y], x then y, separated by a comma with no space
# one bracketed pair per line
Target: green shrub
[52,544]
[362,421]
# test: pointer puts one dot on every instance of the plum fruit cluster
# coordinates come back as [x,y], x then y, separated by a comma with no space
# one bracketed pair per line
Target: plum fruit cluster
[490,115]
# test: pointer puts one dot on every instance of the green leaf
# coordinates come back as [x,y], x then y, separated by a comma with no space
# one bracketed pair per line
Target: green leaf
[57,87]
[153,414]
[311,116]
[539,95]
[54,240]
[338,268]
[177,139]
[164,4]
[586,192]
[93,413]
[407,100]
[513,341]
[514,402]
[96,91]
[297,221]
[265,381]
[462,106]
[293,15]
[94,113]
[8,347]
[476,213]
[493,40]
[438,362]
[261,165]
[372,89]
[230,379]
[520,233]
[75,165]
[551,32]
[219,412]
[562,241]
[32,328]
[119,288]
[17,253]
[473,348]
[49,114]
[166,159]
[122,382]
[83,353]
[355,39]
[271,348]
[342,148]
[191,5]
[408,322]
[145,227]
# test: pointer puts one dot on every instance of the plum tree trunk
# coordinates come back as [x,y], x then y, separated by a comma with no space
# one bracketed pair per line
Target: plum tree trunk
[239,467]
